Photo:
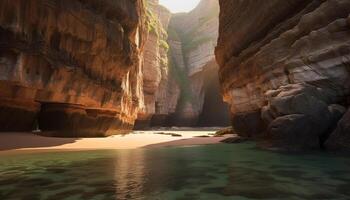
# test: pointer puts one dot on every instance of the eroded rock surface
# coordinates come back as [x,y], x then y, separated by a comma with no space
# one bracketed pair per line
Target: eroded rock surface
[75,64]
[155,67]
[340,138]
[281,71]
[179,68]
[194,37]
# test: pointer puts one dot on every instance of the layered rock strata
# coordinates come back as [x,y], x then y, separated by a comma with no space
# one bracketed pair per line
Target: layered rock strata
[283,66]
[194,37]
[161,93]
[179,53]
[72,66]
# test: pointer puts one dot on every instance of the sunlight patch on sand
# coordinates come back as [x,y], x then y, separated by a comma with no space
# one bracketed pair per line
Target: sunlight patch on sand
[137,139]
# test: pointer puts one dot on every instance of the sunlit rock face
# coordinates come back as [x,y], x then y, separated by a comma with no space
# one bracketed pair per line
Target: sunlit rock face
[192,43]
[283,64]
[73,66]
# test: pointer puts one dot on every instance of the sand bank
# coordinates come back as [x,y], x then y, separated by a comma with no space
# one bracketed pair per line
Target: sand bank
[137,139]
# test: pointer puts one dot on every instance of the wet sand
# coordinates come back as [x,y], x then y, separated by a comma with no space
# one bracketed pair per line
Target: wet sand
[137,139]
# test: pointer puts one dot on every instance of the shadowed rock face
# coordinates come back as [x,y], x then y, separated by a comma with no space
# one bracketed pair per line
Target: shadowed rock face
[215,112]
[75,64]
[283,66]
[194,37]
[340,138]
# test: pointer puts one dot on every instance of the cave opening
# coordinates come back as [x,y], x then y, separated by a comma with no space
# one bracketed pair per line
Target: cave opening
[215,111]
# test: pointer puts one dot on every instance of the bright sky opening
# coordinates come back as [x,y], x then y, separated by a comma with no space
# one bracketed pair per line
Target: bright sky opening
[176,6]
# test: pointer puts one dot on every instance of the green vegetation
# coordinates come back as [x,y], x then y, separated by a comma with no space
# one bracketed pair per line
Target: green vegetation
[154,26]
[163,44]
[164,62]
[153,23]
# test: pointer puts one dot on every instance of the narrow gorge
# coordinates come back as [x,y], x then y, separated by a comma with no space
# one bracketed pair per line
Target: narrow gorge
[98,68]
[180,82]
[174,99]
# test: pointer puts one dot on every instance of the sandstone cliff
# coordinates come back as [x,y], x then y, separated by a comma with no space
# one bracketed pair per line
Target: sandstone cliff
[72,66]
[160,91]
[192,44]
[179,57]
[284,68]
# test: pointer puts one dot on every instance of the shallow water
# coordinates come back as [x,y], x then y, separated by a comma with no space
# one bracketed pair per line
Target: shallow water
[238,172]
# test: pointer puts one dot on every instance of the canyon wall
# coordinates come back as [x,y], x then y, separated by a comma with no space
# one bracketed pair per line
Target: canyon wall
[193,38]
[161,92]
[284,70]
[72,67]
[179,57]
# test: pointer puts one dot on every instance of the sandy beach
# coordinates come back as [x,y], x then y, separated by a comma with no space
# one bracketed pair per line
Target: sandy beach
[138,139]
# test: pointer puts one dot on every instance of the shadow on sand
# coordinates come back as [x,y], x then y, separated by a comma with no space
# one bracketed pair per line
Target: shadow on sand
[16,140]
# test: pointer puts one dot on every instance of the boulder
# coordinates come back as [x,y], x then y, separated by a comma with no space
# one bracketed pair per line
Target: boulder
[294,133]
[340,138]
[298,116]
[248,124]
[337,112]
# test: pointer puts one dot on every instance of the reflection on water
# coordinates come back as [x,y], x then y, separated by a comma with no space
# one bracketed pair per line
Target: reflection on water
[238,172]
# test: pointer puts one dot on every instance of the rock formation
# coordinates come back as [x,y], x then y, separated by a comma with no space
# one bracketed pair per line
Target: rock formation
[284,69]
[160,90]
[340,138]
[179,57]
[71,66]
[192,43]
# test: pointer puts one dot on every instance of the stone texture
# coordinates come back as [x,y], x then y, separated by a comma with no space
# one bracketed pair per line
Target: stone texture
[340,138]
[174,79]
[77,121]
[299,49]
[294,132]
[298,115]
[84,55]
[233,140]
[160,91]
[193,40]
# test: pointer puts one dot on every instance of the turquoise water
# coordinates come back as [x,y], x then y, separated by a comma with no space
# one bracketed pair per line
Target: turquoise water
[235,172]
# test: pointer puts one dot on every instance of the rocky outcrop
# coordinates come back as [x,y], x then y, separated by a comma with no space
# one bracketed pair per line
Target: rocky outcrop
[72,66]
[283,64]
[340,138]
[299,116]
